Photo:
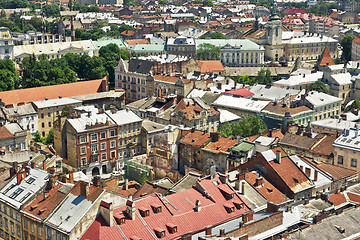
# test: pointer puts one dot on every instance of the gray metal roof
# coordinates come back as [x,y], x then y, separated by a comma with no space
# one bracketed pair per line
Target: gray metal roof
[17,194]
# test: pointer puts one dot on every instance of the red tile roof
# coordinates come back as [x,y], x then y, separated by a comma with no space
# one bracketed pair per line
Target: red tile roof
[4,133]
[337,198]
[127,33]
[41,208]
[271,134]
[287,170]
[192,109]
[137,41]
[94,192]
[336,172]
[324,146]
[326,58]
[52,92]
[148,188]
[243,92]
[210,66]
[353,197]
[222,145]
[267,190]
[196,138]
[176,210]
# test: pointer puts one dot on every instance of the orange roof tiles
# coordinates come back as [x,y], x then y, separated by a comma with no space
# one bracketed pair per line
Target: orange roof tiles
[267,190]
[137,41]
[326,58]
[52,92]
[280,110]
[210,66]
[294,178]
[336,172]
[353,197]
[192,110]
[169,79]
[324,146]
[197,138]
[4,133]
[271,134]
[127,33]
[223,144]
[42,208]
[337,198]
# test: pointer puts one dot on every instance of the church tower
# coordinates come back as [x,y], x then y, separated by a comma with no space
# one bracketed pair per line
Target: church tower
[273,37]
[274,28]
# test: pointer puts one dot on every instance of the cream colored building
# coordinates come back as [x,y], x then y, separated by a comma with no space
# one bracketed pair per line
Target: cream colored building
[347,149]
[48,110]
[355,49]
[55,50]
[6,44]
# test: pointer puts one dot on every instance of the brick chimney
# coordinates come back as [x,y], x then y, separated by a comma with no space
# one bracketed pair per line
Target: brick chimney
[44,165]
[107,211]
[71,177]
[259,181]
[51,182]
[32,165]
[84,189]
[97,181]
[27,170]
[20,176]
[214,136]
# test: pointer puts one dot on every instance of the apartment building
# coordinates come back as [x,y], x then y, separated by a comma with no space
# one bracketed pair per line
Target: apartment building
[132,76]
[347,148]
[24,185]
[96,140]
[48,110]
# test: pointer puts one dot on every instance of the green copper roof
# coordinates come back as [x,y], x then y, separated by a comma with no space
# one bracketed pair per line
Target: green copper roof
[243,147]
[104,41]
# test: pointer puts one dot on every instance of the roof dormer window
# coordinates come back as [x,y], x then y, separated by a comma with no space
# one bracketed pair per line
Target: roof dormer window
[156,208]
[171,227]
[160,233]
[229,208]
[144,212]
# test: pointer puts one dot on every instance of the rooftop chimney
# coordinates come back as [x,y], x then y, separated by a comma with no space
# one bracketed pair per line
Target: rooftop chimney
[97,181]
[259,181]
[126,184]
[20,176]
[32,165]
[51,182]
[130,209]
[243,188]
[27,170]
[107,211]
[198,206]
[71,177]
[84,189]
[278,157]
[214,136]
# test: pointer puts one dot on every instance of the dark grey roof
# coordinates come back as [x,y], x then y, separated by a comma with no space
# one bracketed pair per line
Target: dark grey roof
[185,183]
[140,66]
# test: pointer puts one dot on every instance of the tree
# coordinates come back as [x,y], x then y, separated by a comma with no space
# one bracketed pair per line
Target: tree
[346,44]
[263,77]
[245,127]
[213,35]
[37,137]
[9,78]
[65,112]
[323,8]
[207,51]
[50,137]
[317,86]
[354,105]
[51,10]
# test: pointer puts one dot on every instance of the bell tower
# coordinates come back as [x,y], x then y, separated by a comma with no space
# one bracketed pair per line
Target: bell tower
[274,28]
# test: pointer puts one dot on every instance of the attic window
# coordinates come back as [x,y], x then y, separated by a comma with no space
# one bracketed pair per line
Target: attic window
[120,221]
[156,208]
[238,205]
[160,233]
[144,212]
[171,227]
[269,189]
[229,208]
[30,180]
[296,180]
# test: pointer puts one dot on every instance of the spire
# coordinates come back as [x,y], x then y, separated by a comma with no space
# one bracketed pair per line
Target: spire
[325,58]
[274,15]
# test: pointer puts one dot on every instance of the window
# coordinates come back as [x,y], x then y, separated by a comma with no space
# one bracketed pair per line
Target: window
[353,162]
[25,197]
[112,144]
[43,125]
[102,135]
[32,227]
[42,115]
[49,114]
[16,193]
[49,124]
[18,230]
[94,147]
[40,231]
[103,156]
[30,180]
[113,154]
[83,161]
[94,137]
[83,150]
[112,133]
[12,227]
[82,139]
[103,146]
[340,159]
